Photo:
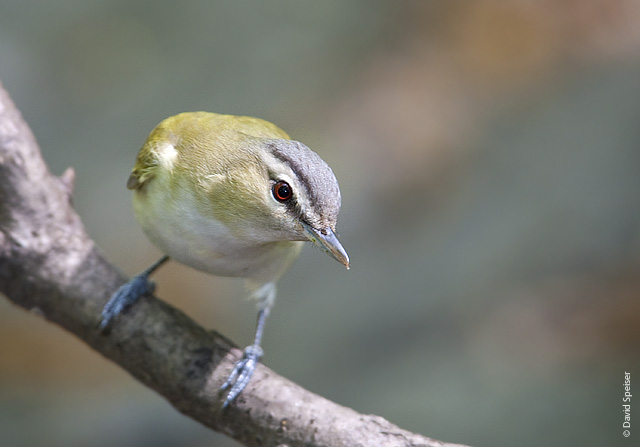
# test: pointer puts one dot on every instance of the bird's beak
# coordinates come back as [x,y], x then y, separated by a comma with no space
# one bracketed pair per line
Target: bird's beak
[328,242]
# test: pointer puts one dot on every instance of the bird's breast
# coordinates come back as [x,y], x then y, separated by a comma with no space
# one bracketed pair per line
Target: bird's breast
[176,222]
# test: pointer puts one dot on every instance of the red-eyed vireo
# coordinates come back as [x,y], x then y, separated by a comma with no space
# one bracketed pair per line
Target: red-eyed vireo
[231,196]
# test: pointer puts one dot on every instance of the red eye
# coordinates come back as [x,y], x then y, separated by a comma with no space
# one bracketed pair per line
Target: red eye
[282,191]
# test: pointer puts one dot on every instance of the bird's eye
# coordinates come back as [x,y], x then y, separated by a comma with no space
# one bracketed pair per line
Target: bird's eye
[282,191]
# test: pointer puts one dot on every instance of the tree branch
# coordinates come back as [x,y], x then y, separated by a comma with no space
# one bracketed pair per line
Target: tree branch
[49,264]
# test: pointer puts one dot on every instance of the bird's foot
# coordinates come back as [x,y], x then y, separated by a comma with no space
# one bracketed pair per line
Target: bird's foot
[124,297]
[242,372]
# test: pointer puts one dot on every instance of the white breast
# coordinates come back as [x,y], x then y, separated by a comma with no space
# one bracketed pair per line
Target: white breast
[173,222]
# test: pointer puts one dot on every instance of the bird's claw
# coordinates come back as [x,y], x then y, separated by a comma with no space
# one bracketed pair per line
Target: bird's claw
[241,373]
[124,297]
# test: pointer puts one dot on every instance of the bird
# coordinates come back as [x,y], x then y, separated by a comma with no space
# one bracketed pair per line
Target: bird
[230,196]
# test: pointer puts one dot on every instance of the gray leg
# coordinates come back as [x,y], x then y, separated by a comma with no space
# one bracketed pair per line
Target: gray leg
[128,294]
[244,368]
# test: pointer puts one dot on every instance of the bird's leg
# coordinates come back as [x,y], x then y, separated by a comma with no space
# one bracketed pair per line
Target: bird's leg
[245,367]
[129,293]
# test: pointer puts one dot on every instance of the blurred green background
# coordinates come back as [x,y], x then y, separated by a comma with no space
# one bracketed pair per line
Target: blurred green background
[488,154]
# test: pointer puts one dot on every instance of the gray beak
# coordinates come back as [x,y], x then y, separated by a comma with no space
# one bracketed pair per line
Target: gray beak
[328,242]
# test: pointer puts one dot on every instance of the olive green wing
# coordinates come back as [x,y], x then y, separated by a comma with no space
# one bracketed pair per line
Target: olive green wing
[207,136]
[161,148]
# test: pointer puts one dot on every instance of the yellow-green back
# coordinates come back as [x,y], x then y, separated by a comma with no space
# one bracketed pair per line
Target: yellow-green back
[201,142]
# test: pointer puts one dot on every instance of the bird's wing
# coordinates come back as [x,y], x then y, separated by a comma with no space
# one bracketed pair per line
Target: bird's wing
[210,135]
[160,150]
